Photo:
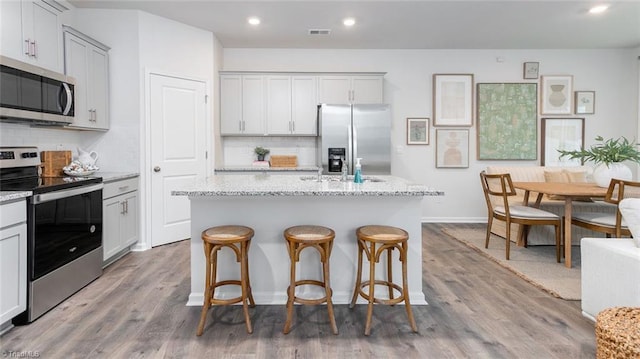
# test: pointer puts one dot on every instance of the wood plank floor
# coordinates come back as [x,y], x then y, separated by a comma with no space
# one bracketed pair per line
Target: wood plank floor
[477,310]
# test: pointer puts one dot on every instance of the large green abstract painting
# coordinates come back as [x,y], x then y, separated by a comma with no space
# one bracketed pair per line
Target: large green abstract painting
[507,121]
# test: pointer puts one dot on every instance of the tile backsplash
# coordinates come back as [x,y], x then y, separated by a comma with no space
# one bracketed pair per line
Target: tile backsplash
[238,151]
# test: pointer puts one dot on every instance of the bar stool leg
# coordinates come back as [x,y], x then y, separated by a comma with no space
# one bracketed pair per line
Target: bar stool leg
[372,284]
[243,284]
[208,290]
[252,303]
[405,290]
[292,247]
[389,272]
[327,285]
[356,290]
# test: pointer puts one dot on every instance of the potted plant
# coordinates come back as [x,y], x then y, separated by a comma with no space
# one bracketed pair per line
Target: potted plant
[608,156]
[261,152]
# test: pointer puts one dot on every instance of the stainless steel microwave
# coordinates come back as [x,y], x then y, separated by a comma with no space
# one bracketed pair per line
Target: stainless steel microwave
[33,94]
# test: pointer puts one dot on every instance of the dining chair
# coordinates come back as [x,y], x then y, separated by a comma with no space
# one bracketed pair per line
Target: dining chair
[608,223]
[500,187]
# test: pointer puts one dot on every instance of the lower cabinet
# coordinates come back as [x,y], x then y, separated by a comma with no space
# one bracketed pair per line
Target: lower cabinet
[13,261]
[120,210]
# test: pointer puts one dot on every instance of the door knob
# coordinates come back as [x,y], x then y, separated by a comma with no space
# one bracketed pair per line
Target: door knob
[156,169]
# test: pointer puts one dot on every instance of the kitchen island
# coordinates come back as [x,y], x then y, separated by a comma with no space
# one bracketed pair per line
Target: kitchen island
[271,203]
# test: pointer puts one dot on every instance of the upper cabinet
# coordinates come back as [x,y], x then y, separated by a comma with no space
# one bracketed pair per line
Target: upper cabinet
[87,61]
[292,103]
[356,89]
[30,32]
[242,105]
[286,104]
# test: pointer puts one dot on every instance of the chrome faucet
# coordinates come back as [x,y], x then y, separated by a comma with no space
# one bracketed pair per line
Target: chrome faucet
[320,174]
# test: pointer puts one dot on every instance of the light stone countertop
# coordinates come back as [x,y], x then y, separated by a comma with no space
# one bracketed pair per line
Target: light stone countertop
[114,176]
[6,196]
[265,184]
[266,169]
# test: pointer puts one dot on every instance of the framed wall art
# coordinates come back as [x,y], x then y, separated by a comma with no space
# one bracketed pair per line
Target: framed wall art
[452,148]
[561,134]
[530,70]
[417,131]
[555,95]
[507,121]
[585,102]
[452,99]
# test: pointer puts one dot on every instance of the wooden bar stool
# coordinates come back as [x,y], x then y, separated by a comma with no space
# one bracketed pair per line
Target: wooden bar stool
[236,238]
[299,238]
[388,238]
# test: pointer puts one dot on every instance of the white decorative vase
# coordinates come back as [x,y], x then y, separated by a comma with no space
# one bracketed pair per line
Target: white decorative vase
[602,174]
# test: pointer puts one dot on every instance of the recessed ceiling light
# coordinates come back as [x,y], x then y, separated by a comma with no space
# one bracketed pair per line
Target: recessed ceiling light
[598,9]
[253,20]
[349,21]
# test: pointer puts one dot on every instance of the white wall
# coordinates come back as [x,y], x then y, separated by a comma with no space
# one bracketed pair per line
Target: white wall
[612,74]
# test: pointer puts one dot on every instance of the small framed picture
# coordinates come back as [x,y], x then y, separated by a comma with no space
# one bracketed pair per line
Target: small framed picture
[585,102]
[561,134]
[452,148]
[452,100]
[530,70]
[555,95]
[417,131]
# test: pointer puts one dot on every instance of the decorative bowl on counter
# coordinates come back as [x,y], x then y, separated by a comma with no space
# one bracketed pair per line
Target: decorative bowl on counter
[77,169]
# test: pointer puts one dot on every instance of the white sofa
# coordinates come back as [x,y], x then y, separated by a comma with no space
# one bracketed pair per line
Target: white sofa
[610,274]
[544,235]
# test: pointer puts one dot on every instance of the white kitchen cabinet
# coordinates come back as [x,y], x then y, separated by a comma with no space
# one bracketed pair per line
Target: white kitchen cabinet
[13,260]
[279,105]
[242,105]
[87,60]
[120,218]
[304,105]
[356,89]
[30,32]
[292,105]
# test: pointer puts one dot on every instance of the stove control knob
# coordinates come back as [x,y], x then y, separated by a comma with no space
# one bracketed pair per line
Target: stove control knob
[25,155]
[33,154]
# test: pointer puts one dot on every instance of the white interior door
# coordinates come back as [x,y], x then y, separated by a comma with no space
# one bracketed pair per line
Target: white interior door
[178,152]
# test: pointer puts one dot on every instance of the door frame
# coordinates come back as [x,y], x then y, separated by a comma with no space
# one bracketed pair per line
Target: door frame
[144,242]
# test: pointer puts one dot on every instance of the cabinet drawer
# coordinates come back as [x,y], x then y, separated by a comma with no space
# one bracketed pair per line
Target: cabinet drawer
[119,187]
[13,213]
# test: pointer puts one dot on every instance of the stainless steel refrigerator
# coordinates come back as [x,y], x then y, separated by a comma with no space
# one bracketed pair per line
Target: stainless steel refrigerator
[347,132]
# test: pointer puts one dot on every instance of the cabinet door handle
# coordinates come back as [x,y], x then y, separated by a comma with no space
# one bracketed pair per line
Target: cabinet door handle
[26,47]
[123,188]
[293,126]
[33,49]
[126,206]
[240,126]
[122,212]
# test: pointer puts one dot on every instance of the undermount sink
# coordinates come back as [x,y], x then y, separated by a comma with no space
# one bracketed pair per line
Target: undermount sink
[339,179]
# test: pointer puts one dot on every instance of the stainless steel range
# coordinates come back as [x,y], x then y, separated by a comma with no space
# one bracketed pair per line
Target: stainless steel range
[64,230]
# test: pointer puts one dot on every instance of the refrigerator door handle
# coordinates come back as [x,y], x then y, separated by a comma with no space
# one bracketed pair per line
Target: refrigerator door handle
[353,139]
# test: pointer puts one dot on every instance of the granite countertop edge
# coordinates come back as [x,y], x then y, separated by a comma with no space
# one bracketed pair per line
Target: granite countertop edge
[266,169]
[9,196]
[115,176]
[282,185]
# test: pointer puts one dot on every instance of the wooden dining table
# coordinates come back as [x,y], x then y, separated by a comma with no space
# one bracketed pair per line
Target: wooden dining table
[568,191]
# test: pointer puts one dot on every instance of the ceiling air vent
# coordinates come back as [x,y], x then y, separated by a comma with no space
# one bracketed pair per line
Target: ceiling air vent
[319,31]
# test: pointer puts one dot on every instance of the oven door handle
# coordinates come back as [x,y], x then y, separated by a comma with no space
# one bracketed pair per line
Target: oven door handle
[52,196]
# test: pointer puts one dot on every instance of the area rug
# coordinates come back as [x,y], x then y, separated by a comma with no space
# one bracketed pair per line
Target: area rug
[535,264]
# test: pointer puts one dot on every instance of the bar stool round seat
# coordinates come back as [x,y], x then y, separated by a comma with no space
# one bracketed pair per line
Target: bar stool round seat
[373,241]
[299,238]
[236,238]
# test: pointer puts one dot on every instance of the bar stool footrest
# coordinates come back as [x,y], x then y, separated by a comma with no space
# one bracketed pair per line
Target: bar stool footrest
[307,301]
[393,301]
